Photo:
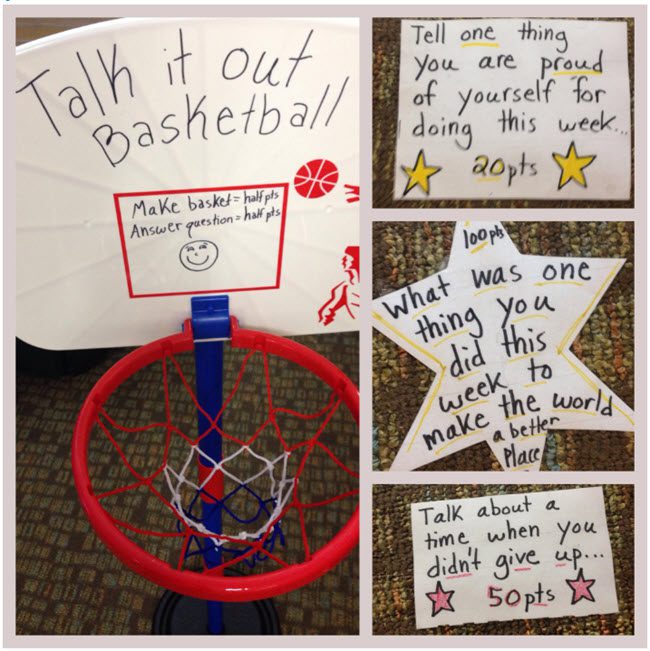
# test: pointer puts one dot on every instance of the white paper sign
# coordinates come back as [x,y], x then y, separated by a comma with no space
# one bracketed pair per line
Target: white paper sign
[519,556]
[519,108]
[236,231]
[497,327]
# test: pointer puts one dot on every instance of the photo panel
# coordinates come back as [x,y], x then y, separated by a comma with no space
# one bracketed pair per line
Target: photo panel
[508,112]
[503,345]
[532,559]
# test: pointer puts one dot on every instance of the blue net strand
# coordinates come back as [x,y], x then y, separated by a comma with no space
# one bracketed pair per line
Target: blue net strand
[201,512]
[204,546]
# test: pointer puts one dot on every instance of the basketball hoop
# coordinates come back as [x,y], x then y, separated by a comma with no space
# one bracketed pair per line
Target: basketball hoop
[182,490]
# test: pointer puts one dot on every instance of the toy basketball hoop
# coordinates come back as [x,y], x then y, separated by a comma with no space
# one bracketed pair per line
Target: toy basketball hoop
[194,492]
[253,500]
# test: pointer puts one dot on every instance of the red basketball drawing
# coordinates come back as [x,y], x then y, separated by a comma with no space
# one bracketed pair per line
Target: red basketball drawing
[316,178]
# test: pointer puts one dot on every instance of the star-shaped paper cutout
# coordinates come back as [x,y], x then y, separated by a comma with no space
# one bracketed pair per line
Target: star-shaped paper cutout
[504,377]
[572,166]
[581,588]
[419,174]
[441,600]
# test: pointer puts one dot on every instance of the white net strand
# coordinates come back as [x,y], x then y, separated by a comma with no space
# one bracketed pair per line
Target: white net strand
[281,489]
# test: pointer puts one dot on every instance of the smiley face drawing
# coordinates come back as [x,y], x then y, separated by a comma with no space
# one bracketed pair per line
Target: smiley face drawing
[198,255]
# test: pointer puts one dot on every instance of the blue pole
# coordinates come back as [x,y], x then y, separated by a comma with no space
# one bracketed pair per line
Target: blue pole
[210,323]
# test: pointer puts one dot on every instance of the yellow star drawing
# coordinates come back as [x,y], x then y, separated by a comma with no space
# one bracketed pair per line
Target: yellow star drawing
[572,166]
[419,174]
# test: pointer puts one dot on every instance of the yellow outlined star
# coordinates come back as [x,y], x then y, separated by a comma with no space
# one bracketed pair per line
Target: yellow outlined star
[572,166]
[419,174]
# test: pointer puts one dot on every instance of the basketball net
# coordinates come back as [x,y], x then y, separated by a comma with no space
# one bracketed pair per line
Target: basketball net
[193,501]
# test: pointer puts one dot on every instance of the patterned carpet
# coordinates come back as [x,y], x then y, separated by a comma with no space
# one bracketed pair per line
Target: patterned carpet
[67,581]
[404,252]
[385,89]
[393,611]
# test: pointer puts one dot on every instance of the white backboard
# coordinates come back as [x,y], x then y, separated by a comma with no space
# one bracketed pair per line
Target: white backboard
[163,158]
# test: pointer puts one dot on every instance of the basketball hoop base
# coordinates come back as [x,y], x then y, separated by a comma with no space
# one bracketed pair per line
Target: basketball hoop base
[177,614]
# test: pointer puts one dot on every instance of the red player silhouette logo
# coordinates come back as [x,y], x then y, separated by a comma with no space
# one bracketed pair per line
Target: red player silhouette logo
[316,178]
[346,293]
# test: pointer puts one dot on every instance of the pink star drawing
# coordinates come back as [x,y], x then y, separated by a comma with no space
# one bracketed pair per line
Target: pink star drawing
[581,588]
[441,599]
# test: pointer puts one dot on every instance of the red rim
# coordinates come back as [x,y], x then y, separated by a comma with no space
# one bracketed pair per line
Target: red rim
[203,586]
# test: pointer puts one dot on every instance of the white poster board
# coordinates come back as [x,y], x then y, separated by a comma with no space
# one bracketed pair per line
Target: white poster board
[526,108]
